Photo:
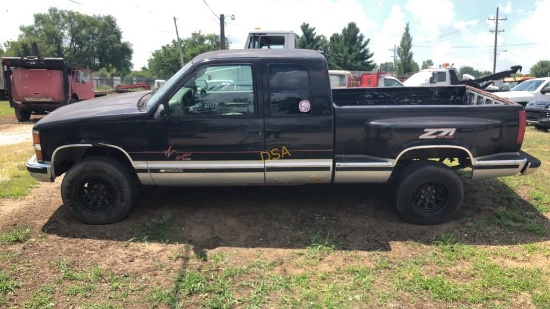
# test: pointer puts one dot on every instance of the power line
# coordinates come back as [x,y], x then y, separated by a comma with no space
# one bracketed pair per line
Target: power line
[210,9]
[487,46]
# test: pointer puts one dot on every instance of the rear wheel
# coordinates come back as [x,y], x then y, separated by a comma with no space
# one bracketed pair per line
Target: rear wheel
[427,193]
[22,115]
[99,191]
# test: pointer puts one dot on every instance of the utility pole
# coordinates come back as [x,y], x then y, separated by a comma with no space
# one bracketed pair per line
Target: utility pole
[496,31]
[222,31]
[394,50]
[179,43]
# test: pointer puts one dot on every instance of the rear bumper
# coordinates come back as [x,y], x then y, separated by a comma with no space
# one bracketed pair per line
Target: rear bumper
[504,165]
[531,165]
[41,171]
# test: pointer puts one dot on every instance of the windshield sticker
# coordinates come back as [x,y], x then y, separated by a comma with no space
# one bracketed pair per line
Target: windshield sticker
[304,106]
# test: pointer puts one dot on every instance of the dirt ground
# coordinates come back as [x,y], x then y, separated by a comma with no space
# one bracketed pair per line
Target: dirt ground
[238,220]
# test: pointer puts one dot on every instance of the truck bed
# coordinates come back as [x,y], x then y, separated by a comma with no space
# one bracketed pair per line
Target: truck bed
[377,126]
[450,95]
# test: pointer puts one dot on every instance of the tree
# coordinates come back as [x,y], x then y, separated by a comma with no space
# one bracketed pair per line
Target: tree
[404,54]
[540,69]
[94,41]
[143,72]
[426,64]
[165,62]
[349,51]
[310,40]
[387,67]
[475,73]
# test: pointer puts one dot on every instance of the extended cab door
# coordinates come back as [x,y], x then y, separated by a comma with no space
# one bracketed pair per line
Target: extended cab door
[214,129]
[298,123]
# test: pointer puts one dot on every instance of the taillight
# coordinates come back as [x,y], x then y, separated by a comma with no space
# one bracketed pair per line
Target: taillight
[36,145]
[521,126]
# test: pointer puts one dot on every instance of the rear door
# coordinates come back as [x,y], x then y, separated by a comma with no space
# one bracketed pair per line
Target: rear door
[298,123]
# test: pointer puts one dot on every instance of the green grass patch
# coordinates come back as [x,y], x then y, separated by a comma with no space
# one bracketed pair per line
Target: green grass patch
[42,298]
[154,229]
[5,109]
[15,180]
[18,234]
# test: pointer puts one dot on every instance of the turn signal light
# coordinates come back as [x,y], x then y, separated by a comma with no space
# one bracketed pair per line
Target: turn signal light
[36,145]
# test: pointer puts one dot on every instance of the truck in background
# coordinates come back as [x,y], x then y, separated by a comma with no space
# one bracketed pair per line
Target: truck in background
[272,39]
[348,79]
[341,79]
[535,89]
[39,86]
[446,75]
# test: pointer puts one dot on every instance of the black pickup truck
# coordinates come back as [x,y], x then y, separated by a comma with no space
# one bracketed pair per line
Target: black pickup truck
[276,121]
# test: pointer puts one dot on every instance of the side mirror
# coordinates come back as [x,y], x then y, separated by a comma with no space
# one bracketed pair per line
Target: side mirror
[545,90]
[160,114]
[432,80]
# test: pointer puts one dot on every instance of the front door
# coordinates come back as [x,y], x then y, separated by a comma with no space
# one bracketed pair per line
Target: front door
[214,130]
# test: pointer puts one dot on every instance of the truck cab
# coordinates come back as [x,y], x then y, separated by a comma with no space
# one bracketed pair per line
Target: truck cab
[444,76]
[271,40]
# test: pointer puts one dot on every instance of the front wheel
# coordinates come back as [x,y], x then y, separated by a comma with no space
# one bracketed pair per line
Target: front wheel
[427,193]
[99,191]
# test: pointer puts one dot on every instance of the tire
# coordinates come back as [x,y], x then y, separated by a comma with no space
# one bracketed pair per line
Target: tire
[22,115]
[99,191]
[427,193]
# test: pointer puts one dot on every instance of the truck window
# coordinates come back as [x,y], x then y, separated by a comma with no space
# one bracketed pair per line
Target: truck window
[289,90]
[202,94]
[337,80]
[266,41]
[441,77]
[84,76]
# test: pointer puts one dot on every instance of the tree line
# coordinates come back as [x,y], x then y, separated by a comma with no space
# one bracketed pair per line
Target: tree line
[96,41]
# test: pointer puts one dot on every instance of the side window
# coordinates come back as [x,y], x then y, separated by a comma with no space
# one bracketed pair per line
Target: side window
[289,90]
[84,76]
[441,76]
[215,90]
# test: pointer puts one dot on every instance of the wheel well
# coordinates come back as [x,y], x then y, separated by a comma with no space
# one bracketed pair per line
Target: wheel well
[67,157]
[455,158]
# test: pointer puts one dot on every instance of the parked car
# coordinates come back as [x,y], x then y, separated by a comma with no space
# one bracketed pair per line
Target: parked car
[536,89]
[538,114]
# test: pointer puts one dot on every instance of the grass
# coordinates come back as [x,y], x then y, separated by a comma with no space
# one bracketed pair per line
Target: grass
[449,270]
[15,180]
[19,234]
[5,109]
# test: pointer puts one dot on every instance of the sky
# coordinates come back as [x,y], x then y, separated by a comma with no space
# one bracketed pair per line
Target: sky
[445,31]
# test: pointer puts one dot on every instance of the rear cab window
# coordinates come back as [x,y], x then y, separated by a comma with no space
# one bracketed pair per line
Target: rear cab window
[289,90]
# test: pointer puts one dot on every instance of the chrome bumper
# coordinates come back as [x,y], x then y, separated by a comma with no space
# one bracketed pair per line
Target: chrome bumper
[41,171]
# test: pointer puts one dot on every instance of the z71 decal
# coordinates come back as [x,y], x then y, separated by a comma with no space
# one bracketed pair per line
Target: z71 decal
[438,133]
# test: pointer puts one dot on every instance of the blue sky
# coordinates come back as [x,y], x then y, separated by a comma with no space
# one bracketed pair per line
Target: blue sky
[443,30]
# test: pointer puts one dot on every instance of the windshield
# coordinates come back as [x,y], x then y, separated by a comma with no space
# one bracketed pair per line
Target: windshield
[167,85]
[418,78]
[530,85]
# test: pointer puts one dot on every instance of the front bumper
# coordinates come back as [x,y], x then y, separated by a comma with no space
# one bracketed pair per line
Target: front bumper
[41,171]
